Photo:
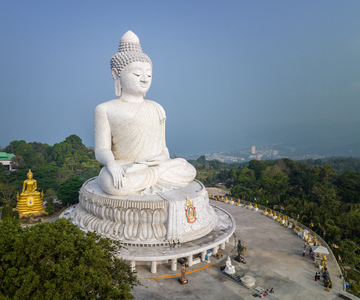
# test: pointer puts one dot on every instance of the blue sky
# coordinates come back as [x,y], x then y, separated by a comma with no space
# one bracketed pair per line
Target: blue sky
[220,68]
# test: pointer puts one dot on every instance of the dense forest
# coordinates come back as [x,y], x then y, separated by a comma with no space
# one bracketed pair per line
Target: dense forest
[321,194]
[59,170]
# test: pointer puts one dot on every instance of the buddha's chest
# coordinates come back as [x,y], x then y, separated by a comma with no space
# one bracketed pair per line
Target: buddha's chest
[30,184]
[122,114]
[143,116]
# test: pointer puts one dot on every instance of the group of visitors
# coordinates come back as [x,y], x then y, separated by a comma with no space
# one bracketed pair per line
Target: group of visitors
[317,275]
[310,250]
[267,292]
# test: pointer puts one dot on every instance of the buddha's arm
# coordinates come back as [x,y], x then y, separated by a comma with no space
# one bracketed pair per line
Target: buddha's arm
[24,186]
[103,151]
[34,186]
[102,129]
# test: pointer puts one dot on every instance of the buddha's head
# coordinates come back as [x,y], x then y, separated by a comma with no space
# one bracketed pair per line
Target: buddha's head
[29,175]
[130,67]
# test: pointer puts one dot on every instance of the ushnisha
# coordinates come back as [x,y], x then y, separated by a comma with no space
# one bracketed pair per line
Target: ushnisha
[130,131]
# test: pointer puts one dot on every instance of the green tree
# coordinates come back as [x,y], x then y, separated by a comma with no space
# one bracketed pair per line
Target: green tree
[69,190]
[7,193]
[74,141]
[348,186]
[201,160]
[7,212]
[49,209]
[59,261]
[17,162]
[349,252]
[258,167]
[3,172]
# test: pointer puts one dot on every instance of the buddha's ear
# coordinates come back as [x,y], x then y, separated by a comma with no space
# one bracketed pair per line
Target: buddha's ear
[114,73]
[116,82]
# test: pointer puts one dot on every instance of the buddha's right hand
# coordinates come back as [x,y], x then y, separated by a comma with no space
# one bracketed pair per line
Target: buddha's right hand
[117,173]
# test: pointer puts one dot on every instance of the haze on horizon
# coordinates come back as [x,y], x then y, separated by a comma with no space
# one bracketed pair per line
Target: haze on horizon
[229,74]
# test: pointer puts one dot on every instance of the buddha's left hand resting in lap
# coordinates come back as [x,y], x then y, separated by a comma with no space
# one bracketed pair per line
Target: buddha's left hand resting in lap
[130,131]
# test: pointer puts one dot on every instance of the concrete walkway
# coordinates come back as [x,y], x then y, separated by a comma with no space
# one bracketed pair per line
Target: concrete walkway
[273,257]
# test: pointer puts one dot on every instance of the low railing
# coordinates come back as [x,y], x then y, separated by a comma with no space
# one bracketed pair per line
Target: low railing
[296,223]
[353,268]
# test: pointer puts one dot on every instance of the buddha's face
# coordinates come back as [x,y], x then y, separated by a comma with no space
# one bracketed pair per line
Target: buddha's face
[136,78]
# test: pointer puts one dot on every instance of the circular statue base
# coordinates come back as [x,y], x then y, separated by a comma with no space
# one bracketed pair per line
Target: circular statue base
[212,241]
[174,216]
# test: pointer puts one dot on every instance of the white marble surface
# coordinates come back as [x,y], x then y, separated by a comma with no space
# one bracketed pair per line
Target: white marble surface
[130,131]
[221,233]
[139,219]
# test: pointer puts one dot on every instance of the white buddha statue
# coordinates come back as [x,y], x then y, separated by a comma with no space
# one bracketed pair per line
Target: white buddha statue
[130,131]
[229,269]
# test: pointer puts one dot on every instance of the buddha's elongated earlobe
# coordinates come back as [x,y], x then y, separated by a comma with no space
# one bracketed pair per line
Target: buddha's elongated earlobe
[116,82]
[117,87]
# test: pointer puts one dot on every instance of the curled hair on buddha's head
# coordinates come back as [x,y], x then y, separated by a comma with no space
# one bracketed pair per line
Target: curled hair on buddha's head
[129,51]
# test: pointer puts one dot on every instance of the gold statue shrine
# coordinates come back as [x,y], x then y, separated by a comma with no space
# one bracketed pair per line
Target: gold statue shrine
[30,200]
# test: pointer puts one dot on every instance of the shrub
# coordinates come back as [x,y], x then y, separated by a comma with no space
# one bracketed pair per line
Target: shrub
[13,204]
[57,206]
[50,201]
[16,214]
[355,287]
[351,274]
[49,210]
[7,212]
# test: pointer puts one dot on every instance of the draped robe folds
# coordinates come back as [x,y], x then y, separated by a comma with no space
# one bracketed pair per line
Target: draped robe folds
[137,135]
[140,136]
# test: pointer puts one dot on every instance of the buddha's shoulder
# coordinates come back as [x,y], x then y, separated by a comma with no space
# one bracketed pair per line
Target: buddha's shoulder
[107,105]
[153,103]
[119,105]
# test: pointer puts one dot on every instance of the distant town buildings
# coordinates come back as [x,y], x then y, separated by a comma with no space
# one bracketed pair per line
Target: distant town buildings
[274,151]
[280,150]
[253,149]
[256,156]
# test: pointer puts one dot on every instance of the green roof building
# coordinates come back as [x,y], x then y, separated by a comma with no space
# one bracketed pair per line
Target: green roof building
[5,159]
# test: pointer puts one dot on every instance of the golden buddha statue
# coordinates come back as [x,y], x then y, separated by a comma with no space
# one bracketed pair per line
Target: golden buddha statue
[30,200]
[323,263]
[314,240]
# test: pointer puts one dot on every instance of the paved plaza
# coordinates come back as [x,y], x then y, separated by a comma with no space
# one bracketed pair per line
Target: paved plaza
[273,257]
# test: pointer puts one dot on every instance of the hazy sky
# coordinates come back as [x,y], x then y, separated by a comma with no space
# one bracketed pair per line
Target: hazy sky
[221,68]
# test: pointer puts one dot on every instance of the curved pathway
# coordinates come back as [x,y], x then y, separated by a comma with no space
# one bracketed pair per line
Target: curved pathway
[273,257]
